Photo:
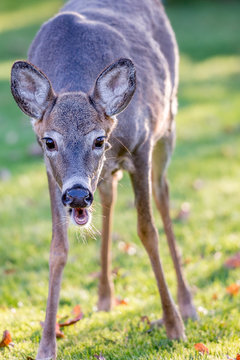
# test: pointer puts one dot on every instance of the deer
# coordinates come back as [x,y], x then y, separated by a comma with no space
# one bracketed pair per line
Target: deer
[100,87]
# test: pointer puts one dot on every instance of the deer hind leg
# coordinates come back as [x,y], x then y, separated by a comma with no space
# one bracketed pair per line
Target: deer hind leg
[108,192]
[141,180]
[161,155]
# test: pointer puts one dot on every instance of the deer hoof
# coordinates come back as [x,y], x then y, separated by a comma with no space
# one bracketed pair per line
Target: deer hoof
[186,306]
[188,311]
[105,304]
[175,328]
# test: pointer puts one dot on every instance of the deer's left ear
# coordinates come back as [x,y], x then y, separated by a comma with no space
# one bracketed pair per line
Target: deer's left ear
[115,87]
[31,89]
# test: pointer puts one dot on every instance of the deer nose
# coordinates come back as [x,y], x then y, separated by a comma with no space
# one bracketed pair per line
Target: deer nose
[77,197]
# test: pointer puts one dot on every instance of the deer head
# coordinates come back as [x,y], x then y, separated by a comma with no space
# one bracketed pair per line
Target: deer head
[73,128]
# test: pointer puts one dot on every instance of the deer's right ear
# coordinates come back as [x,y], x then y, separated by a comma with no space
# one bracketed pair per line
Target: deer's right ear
[31,89]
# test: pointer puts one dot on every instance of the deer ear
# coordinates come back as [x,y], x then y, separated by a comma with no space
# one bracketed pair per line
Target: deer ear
[115,87]
[31,89]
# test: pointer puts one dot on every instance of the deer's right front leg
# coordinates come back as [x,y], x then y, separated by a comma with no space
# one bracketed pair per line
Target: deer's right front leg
[57,261]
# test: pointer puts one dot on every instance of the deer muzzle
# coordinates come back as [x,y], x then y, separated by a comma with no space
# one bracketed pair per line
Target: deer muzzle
[78,199]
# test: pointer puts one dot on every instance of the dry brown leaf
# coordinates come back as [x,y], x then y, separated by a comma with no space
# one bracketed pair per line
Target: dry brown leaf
[215,296]
[59,333]
[6,339]
[201,348]
[77,311]
[233,262]
[233,289]
[119,301]
[236,358]
[145,318]
[127,248]
[9,271]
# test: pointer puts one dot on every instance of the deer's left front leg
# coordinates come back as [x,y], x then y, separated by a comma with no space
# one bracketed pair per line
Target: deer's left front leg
[58,258]
[108,191]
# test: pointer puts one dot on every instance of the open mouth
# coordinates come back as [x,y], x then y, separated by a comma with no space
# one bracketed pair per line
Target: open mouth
[80,216]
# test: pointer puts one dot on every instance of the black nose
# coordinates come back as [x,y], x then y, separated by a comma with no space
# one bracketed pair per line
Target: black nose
[77,197]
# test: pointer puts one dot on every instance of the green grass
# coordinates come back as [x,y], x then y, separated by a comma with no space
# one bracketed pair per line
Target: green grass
[207,149]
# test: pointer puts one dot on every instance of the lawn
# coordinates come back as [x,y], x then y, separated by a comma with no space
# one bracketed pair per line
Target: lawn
[204,177]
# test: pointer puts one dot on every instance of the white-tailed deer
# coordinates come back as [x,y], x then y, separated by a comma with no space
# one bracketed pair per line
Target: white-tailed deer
[80,77]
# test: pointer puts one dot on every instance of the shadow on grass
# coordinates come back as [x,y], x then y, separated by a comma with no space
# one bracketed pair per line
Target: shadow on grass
[199,45]
[220,274]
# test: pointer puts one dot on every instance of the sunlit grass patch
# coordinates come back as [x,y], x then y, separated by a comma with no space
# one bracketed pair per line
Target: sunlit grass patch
[5,68]
[25,16]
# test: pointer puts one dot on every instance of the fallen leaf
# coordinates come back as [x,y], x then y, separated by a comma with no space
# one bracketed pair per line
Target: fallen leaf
[233,289]
[215,296]
[233,262]
[78,316]
[6,339]
[119,301]
[127,248]
[145,318]
[9,271]
[58,332]
[99,357]
[201,348]
[77,310]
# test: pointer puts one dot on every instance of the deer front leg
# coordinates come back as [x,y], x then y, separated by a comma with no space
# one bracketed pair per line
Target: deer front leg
[149,237]
[108,191]
[58,258]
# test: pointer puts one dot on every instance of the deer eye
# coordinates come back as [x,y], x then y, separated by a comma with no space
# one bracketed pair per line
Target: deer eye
[99,142]
[50,143]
